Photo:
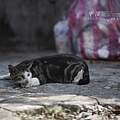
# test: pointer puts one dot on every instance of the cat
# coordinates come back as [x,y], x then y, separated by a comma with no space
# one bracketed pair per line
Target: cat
[62,68]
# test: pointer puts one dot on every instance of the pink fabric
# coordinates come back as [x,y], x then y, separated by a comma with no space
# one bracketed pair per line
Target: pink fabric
[80,24]
[104,41]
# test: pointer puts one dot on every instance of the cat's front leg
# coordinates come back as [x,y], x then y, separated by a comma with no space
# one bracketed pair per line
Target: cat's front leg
[32,82]
[5,77]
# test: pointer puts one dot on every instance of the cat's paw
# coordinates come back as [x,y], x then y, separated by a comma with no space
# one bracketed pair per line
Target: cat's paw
[35,81]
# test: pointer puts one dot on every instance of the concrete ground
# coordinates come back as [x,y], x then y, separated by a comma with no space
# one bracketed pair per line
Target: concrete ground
[104,89]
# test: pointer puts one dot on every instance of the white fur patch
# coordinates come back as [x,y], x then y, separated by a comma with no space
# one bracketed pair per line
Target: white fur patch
[78,77]
[28,75]
[30,81]
[26,81]
[33,82]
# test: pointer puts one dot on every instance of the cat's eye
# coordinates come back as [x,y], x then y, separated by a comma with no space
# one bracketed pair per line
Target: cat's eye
[28,74]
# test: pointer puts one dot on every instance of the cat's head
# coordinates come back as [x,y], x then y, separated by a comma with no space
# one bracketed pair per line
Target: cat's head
[20,76]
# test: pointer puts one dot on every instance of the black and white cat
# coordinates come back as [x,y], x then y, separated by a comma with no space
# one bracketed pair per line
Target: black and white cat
[49,69]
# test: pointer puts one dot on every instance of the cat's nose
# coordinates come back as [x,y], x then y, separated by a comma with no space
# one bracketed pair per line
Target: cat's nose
[26,81]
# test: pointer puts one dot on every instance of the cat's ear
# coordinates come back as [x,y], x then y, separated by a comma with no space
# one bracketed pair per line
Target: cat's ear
[12,69]
[29,67]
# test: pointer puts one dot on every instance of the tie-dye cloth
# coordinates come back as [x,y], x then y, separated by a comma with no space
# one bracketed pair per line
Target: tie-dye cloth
[95,29]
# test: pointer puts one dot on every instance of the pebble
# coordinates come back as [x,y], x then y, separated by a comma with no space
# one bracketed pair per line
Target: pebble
[117,117]
[87,107]
[81,108]
[93,117]
[85,114]
[98,108]
[109,107]
[79,116]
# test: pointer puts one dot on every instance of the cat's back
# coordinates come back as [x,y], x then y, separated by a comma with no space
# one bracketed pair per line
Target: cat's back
[61,58]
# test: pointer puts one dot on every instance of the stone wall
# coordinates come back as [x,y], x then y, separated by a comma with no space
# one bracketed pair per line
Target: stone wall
[28,24]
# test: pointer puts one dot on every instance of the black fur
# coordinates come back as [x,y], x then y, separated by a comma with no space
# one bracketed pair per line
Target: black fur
[57,68]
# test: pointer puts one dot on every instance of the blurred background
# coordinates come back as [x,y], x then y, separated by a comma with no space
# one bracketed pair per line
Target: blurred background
[88,28]
[27,25]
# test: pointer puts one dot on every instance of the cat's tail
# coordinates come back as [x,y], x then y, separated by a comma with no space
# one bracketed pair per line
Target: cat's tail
[86,76]
[5,77]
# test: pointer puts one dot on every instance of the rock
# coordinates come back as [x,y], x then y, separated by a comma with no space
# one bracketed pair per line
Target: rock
[109,107]
[79,116]
[118,117]
[7,115]
[93,117]
[99,108]
[85,114]
[85,106]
